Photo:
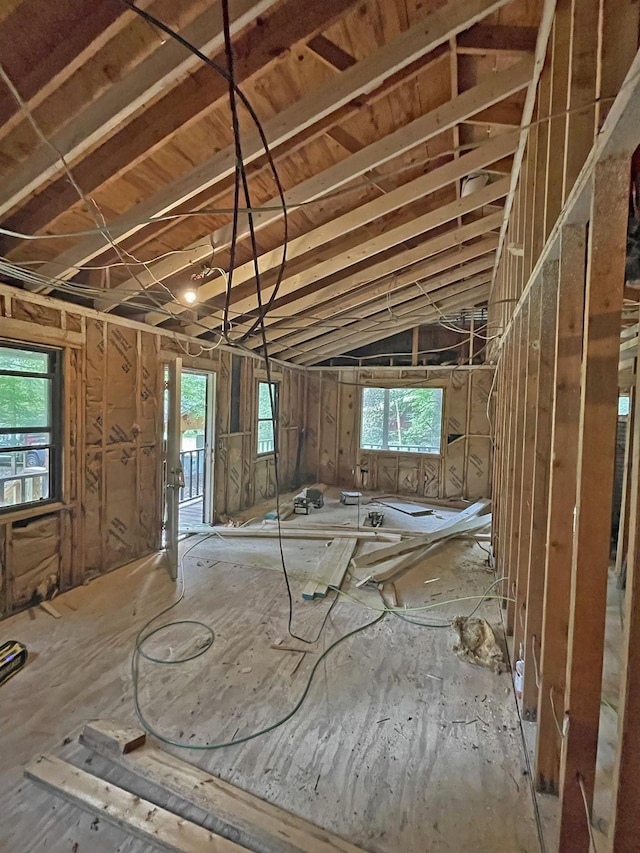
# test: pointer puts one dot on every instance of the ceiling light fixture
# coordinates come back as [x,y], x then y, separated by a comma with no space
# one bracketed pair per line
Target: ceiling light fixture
[190,296]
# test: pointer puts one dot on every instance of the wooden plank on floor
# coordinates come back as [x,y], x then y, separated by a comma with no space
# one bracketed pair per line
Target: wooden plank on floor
[407,508]
[256,824]
[293,532]
[448,530]
[562,500]
[341,564]
[606,254]
[136,816]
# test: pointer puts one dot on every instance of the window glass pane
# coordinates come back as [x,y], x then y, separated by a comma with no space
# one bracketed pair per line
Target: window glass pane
[405,420]
[25,361]
[24,477]
[265,437]
[24,401]
[264,399]
[623,405]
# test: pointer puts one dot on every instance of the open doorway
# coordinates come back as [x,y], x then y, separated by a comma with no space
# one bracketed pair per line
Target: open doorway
[196,448]
[194,441]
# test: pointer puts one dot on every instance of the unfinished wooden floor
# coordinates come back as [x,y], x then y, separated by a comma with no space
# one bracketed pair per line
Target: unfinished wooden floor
[399,746]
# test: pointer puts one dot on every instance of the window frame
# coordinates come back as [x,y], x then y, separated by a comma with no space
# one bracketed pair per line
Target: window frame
[391,387]
[274,419]
[54,374]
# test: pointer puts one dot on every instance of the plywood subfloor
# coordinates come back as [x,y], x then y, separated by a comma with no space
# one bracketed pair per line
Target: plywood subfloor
[399,746]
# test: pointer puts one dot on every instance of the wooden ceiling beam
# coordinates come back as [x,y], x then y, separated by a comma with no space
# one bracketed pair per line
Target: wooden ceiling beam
[487,92]
[497,38]
[282,336]
[179,85]
[374,246]
[42,43]
[464,294]
[362,78]
[435,255]
[397,293]
[401,197]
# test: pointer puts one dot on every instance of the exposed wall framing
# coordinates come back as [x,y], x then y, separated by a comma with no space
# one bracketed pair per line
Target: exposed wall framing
[556,303]
[110,512]
[332,441]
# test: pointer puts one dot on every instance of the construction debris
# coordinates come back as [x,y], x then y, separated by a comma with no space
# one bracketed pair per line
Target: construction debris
[477,643]
[449,529]
[233,813]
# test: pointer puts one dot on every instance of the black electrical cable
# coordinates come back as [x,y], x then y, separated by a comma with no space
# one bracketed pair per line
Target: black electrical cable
[261,311]
[225,74]
[234,91]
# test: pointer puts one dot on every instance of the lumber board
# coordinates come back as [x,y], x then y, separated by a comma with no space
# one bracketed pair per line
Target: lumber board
[390,568]
[257,824]
[481,507]
[606,253]
[136,816]
[331,568]
[540,492]
[309,591]
[464,525]
[304,533]
[340,568]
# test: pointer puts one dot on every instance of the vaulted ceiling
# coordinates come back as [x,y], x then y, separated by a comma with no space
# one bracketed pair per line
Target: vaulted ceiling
[119,140]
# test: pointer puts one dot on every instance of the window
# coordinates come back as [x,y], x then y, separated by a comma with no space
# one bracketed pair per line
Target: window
[267,416]
[623,404]
[405,420]
[236,386]
[30,457]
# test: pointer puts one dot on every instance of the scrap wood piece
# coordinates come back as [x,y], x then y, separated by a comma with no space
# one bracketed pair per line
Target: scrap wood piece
[414,510]
[139,817]
[445,531]
[477,643]
[391,568]
[254,823]
[50,609]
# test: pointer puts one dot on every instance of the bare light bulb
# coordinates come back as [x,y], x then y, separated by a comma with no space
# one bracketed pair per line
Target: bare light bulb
[190,296]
